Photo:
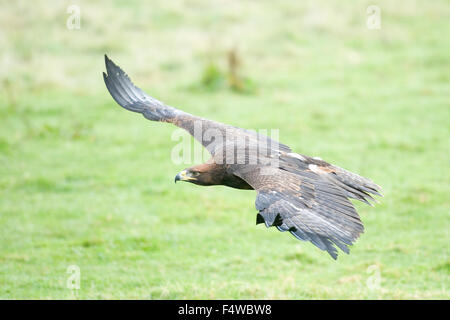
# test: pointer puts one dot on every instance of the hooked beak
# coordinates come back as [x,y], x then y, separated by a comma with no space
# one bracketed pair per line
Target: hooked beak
[182,176]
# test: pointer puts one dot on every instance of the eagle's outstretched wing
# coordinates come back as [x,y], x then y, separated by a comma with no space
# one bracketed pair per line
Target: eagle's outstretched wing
[210,134]
[309,198]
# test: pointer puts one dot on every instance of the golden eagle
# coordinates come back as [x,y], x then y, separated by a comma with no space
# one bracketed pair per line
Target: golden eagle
[303,195]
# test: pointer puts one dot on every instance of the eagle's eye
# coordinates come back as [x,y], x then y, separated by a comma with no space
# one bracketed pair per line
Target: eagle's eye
[195,173]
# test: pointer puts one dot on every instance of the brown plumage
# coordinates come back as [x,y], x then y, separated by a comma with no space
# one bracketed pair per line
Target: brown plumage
[306,196]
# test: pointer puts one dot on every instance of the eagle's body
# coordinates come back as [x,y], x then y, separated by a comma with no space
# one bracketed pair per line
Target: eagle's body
[306,196]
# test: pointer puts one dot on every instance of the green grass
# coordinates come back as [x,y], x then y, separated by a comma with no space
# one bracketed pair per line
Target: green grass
[83,182]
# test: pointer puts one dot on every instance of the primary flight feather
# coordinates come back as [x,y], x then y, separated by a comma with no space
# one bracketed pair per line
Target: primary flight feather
[305,196]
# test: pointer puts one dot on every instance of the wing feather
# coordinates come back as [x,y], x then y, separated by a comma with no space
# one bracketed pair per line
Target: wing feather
[310,200]
[134,99]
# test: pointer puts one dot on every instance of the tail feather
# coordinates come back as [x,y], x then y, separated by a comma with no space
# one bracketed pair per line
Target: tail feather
[132,98]
[358,187]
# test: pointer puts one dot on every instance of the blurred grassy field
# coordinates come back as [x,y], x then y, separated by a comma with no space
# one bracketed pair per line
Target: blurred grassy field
[83,182]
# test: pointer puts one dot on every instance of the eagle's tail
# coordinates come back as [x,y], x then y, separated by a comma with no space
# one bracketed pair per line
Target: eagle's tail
[132,98]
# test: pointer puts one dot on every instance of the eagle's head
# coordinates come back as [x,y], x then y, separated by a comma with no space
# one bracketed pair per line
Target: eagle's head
[204,175]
